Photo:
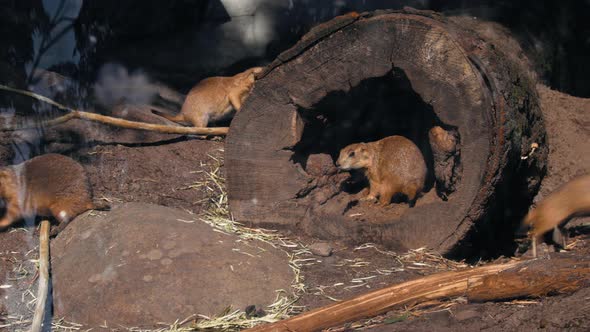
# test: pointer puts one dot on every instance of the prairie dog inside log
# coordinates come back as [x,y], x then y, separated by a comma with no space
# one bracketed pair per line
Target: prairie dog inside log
[393,165]
[570,200]
[444,152]
[214,98]
[47,185]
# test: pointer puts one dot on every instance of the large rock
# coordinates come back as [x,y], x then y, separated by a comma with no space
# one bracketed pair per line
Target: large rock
[140,264]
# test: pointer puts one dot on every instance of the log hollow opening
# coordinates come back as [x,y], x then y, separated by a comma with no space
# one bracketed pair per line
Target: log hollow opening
[342,84]
[376,108]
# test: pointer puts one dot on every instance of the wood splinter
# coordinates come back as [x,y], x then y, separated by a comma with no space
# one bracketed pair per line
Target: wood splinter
[43,277]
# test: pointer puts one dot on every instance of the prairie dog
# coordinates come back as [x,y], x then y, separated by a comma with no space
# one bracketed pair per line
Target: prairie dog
[441,140]
[569,200]
[392,165]
[47,185]
[213,98]
[444,152]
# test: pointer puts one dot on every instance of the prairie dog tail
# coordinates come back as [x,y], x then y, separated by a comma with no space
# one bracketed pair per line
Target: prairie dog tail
[176,118]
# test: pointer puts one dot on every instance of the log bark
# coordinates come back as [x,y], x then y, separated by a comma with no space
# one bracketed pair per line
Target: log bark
[516,279]
[360,78]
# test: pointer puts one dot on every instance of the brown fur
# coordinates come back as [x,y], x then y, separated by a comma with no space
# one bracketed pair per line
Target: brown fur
[441,141]
[569,200]
[445,157]
[392,165]
[214,98]
[47,185]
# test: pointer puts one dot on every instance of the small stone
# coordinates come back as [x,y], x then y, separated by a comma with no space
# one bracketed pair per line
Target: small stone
[154,254]
[320,164]
[252,311]
[320,197]
[466,314]
[322,249]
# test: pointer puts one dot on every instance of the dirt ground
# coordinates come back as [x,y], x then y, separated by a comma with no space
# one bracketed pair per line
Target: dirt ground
[567,121]
[157,173]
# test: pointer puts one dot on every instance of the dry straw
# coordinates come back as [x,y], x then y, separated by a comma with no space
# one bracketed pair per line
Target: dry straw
[218,216]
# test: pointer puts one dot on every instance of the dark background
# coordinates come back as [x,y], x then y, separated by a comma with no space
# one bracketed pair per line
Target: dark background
[179,42]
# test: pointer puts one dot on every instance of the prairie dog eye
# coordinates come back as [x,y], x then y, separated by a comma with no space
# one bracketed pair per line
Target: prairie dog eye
[351,154]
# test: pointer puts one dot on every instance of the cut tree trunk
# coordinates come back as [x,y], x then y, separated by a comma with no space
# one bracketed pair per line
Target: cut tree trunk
[360,78]
[535,278]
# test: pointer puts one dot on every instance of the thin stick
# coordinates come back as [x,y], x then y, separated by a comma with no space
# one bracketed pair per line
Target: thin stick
[75,114]
[43,277]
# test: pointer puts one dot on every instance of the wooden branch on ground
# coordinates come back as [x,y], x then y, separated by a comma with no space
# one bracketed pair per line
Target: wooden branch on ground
[516,279]
[43,277]
[112,121]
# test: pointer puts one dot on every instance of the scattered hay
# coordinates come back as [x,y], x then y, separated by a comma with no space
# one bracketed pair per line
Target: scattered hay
[61,325]
[18,288]
[415,311]
[218,216]
[14,323]
[522,303]
[233,320]
[417,259]
[396,316]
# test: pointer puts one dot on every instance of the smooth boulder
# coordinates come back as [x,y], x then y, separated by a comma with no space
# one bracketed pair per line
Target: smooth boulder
[141,264]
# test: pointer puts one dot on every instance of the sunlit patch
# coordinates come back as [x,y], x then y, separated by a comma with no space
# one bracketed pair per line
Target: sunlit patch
[63,215]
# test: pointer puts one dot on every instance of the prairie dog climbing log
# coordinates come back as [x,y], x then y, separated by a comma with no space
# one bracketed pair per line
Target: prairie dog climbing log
[445,153]
[214,98]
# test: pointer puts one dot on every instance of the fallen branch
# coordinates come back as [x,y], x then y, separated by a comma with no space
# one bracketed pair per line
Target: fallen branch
[43,277]
[493,282]
[76,114]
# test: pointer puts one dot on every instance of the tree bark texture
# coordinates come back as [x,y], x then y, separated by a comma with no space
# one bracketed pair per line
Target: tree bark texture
[282,145]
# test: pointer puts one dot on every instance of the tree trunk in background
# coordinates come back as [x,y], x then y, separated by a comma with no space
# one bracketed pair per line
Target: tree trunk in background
[363,77]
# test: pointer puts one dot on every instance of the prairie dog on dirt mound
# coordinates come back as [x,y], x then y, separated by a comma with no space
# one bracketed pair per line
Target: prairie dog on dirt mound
[47,185]
[570,200]
[213,98]
[392,165]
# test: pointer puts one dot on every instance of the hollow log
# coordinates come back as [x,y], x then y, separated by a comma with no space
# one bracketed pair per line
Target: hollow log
[516,279]
[360,78]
